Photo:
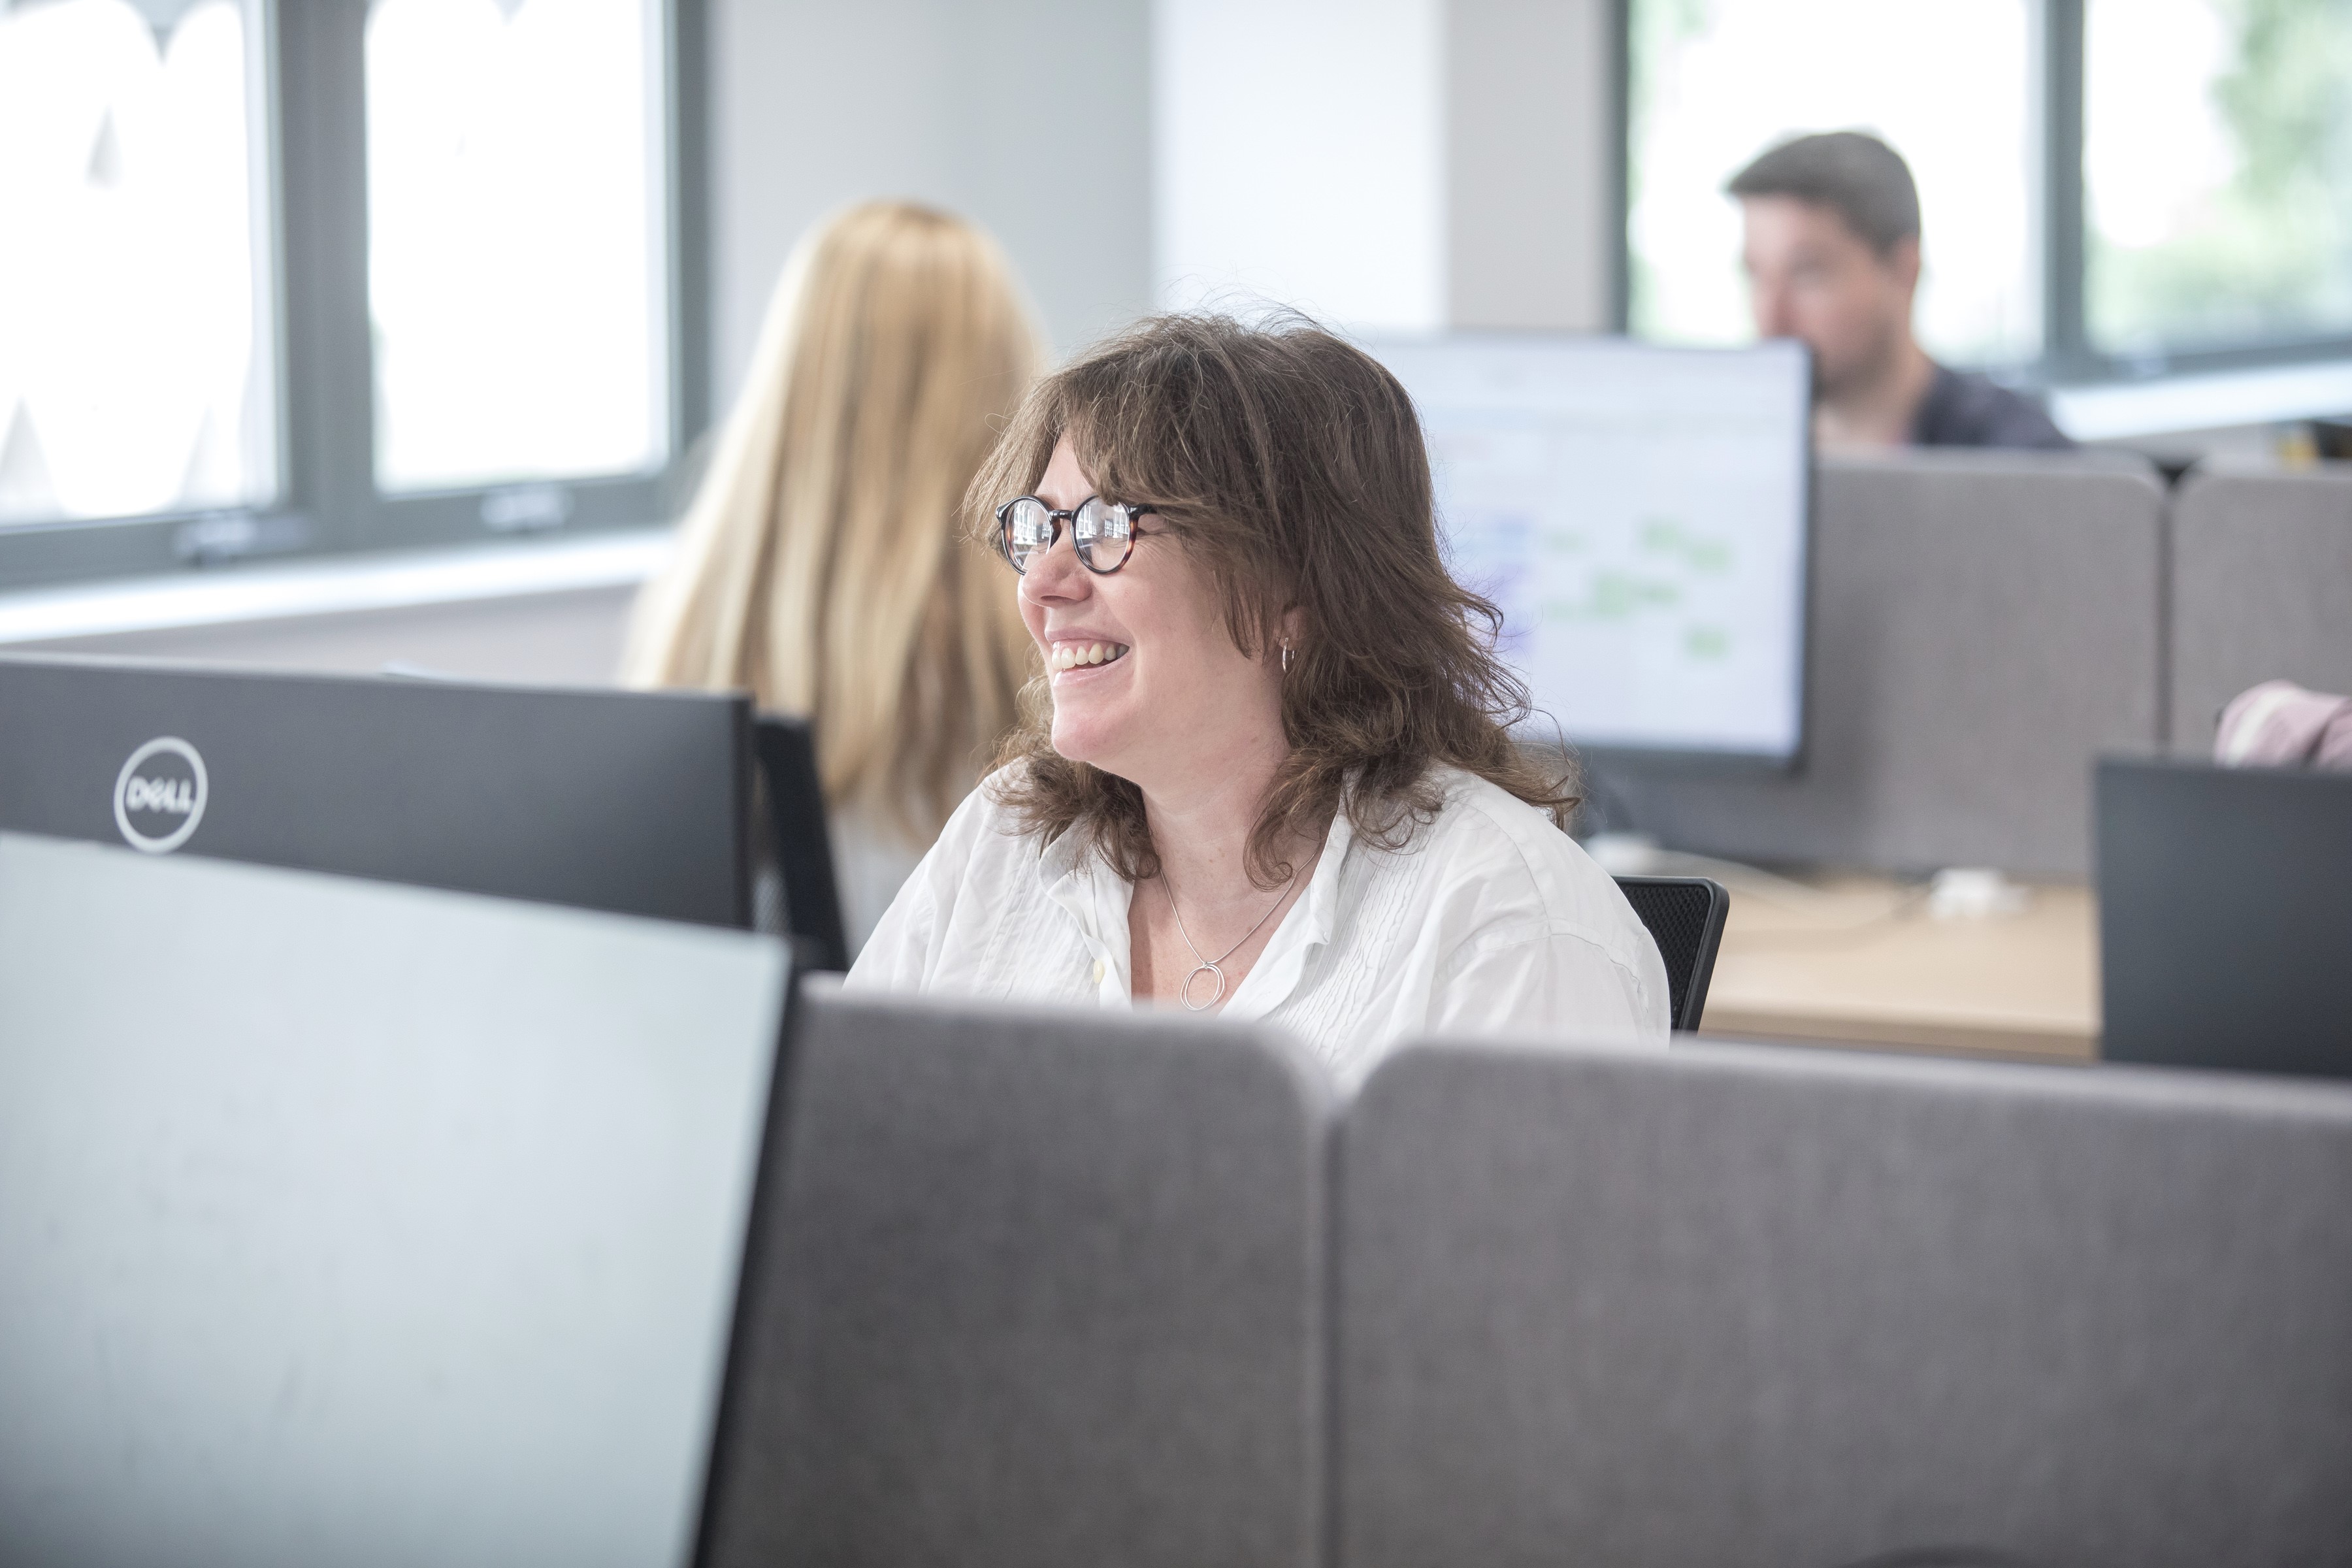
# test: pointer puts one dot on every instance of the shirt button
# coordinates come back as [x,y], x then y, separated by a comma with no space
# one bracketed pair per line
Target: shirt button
[1097,974]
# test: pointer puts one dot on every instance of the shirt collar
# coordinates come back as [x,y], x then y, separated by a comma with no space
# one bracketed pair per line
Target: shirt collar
[1307,927]
[1076,877]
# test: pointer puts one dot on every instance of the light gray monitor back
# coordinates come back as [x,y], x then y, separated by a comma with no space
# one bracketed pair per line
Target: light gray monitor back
[347,1223]
[1740,1306]
[2262,590]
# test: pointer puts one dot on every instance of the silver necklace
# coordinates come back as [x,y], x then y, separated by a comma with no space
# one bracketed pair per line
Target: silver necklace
[1210,966]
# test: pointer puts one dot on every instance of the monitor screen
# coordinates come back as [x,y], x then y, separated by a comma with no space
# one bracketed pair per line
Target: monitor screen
[1640,514]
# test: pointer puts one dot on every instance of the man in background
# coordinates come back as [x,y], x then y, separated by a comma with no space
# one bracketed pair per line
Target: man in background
[1833,257]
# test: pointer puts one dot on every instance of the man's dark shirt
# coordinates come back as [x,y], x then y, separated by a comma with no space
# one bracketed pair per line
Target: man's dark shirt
[1963,410]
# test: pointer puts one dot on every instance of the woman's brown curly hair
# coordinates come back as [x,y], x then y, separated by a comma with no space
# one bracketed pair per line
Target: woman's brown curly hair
[1290,463]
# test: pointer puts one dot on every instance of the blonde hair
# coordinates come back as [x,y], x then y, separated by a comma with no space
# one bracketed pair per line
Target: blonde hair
[820,564]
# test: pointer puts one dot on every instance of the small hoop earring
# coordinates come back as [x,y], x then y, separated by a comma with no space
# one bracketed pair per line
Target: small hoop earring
[1286,658]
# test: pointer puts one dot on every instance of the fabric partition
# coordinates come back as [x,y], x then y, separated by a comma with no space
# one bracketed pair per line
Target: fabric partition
[1733,1305]
[1983,626]
[2262,590]
[1032,1289]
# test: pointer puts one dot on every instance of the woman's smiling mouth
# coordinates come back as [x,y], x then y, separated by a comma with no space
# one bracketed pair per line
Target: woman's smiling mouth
[1075,655]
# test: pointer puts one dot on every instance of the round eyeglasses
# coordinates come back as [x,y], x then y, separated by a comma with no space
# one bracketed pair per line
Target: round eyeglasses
[1102,532]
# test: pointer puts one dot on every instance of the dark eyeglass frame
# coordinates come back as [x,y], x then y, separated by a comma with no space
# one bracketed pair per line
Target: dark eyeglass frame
[1054,518]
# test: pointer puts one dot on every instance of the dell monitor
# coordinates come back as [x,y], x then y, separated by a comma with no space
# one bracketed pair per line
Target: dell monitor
[1641,515]
[636,802]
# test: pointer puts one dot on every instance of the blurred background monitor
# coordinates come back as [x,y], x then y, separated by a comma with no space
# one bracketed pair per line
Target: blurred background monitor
[1642,516]
[636,802]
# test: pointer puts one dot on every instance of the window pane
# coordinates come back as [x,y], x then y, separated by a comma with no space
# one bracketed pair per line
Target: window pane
[2217,156]
[135,331]
[1950,87]
[515,240]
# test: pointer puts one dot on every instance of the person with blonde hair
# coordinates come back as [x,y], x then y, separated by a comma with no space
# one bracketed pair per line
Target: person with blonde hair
[821,566]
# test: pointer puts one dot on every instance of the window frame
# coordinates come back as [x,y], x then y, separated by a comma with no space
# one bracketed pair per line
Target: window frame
[2068,359]
[328,502]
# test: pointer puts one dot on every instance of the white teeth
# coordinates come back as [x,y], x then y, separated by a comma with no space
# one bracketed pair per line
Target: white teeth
[1070,655]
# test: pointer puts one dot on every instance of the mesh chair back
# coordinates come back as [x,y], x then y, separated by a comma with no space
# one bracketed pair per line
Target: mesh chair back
[1685,917]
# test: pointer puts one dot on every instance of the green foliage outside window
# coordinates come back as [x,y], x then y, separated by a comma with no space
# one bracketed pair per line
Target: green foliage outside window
[2267,254]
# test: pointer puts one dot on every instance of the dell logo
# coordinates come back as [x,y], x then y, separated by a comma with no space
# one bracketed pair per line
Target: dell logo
[159,796]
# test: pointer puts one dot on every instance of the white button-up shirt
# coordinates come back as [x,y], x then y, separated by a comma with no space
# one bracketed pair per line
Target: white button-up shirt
[1489,921]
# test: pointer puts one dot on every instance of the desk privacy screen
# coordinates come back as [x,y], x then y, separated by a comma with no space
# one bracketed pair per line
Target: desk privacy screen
[1640,514]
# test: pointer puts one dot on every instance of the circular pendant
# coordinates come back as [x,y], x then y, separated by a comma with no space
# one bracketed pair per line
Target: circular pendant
[1184,991]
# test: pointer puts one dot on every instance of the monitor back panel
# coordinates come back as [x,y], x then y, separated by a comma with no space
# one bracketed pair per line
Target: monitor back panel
[2225,916]
[1735,1306]
[630,802]
[350,1223]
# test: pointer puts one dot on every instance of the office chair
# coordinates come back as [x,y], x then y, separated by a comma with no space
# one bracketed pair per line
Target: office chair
[786,750]
[1685,917]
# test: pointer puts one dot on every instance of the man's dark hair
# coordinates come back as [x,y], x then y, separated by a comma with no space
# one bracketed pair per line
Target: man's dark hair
[1859,177]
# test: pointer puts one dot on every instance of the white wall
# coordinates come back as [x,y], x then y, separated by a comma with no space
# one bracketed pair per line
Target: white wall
[1531,207]
[1386,166]
[1298,158]
[1384,162]
[1030,117]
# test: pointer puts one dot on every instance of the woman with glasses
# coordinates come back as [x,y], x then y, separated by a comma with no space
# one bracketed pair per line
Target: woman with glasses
[1266,767]
[820,566]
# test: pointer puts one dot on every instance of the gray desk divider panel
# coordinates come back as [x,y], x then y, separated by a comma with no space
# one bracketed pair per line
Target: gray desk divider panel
[1983,626]
[2262,590]
[347,1223]
[1041,1288]
[1738,1306]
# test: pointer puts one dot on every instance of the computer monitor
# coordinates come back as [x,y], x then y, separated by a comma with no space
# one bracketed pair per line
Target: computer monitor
[2225,916]
[1642,516]
[638,803]
[349,1223]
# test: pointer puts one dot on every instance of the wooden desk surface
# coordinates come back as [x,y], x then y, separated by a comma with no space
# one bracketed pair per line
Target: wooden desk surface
[1862,960]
